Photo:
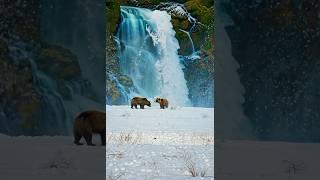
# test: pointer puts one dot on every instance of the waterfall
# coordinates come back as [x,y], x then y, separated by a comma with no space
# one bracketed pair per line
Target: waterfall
[148,54]
[191,41]
[195,54]
[53,104]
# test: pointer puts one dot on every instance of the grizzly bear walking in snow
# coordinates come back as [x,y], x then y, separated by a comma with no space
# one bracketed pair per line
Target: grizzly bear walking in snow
[164,103]
[86,124]
[140,101]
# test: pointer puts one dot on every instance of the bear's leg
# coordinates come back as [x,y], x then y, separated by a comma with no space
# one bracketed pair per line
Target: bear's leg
[88,138]
[141,106]
[131,106]
[136,106]
[77,137]
[103,138]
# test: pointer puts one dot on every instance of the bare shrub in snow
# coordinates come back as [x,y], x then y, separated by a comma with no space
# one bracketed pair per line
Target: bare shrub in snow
[117,155]
[207,139]
[129,138]
[126,114]
[294,167]
[59,162]
[191,168]
[115,176]
[125,137]
[195,171]
[109,137]
[203,173]
[185,155]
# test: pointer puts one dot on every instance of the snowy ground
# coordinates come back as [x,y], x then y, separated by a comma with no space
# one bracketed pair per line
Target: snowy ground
[154,119]
[53,158]
[256,160]
[49,158]
[161,151]
[153,143]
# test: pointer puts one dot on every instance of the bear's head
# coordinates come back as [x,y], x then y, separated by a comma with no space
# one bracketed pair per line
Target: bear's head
[148,103]
[158,100]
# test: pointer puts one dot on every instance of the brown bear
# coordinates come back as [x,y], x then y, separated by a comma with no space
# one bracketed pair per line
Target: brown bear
[140,101]
[87,123]
[164,103]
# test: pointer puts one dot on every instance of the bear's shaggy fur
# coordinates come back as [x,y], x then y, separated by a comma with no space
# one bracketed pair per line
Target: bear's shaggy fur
[87,123]
[140,101]
[164,103]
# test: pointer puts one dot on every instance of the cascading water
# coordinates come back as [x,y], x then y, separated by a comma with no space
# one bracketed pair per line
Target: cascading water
[54,107]
[195,54]
[191,41]
[61,25]
[148,53]
[178,9]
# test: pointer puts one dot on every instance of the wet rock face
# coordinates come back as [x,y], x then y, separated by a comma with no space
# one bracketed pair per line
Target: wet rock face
[125,80]
[277,45]
[19,17]
[19,99]
[112,61]
[58,62]
[198,21]
[200,82]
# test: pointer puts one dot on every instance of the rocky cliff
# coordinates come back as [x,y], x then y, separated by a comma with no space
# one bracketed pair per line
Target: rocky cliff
[277,46]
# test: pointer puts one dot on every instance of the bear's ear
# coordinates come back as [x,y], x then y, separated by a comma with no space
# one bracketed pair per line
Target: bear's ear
[144,98]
